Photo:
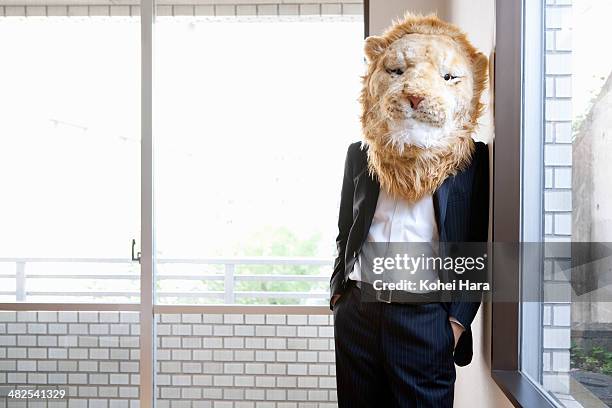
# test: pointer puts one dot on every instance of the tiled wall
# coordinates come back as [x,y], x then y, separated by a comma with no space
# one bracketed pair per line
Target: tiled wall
[92,355]
[203,360]
[221,8]
[238,361]
[557,191]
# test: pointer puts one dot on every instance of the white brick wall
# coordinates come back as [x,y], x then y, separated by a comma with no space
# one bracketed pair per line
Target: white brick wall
[202,360]
[94,356]
[557,194]
[220,8]
[245,361]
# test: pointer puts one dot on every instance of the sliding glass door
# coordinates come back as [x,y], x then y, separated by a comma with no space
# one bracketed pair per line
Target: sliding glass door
[161,178]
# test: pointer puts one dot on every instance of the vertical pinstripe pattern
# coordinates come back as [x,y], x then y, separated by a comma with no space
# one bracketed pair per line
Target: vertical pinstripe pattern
[393,355]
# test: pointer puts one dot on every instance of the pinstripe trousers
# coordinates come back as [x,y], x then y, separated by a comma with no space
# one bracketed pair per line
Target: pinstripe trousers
[392,355]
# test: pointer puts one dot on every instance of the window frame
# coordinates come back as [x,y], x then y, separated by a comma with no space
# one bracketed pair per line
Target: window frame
[519,112]
[147,306]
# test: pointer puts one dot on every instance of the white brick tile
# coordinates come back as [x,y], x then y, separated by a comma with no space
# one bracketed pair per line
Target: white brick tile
[183,10]
[223,355]
[558,155]
[563,224]
[558,64]
[267,10]
[558,17]
[47,365]
[286,331]
[320,320]
[57,378]
[39,353]
[99,354]
[558,109]
[255,368]
[254,319]
[557,201]
[191,368]
[37,328]
[212,342]
[276,369]
[202,354]
[297,320]
[563,178]
[241,330]
[267,331]
[297,395]
[181,354]
[205,10]
[297,369]
[326,356]
[556,338]
[310,9]
[265,382]
[223,330]
[56,328]
[355,9]
[561,361]
[129,317]
[191,318]
[212,368]
[286,382]
[119,329]
[108,341]
[264,355]
[244,381]
[288,9]
[200,380]
[563,132]
[307,331]
[331,9]
[308,382]
[307,356]
[255,342]
[202,330]
[8,316]
[171,318]
[23,317]
[327,382]
[562,315]
[27,340]
[212,318]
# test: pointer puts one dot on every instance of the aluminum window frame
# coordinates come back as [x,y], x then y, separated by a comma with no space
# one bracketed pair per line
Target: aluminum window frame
[147,306]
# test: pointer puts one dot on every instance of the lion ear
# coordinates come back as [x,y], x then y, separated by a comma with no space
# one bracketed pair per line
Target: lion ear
[374,46]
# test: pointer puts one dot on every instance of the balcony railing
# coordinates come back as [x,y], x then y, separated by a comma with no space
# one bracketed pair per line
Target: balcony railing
[227,275]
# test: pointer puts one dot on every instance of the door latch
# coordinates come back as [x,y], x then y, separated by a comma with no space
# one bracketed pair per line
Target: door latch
[137,257]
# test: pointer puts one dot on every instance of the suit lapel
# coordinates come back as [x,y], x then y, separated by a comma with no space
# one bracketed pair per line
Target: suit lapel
[371,198]
[440,204]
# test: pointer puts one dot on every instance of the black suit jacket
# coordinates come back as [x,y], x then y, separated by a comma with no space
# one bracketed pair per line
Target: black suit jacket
[461,207]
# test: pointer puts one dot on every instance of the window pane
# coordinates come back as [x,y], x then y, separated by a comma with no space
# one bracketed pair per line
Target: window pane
[253,118]
[69,158]
[572,337]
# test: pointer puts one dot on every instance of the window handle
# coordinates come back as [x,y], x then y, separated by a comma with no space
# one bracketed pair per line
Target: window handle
[137,257]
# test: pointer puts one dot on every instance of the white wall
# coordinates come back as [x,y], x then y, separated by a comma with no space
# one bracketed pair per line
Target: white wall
[474,388]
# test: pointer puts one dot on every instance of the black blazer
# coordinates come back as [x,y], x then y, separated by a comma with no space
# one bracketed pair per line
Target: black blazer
[461,207]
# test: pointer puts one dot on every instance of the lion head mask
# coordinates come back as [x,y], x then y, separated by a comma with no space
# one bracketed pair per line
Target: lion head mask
[420,104]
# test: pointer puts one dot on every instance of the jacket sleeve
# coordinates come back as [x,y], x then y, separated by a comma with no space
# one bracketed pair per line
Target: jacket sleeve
[345,220]
[462,310]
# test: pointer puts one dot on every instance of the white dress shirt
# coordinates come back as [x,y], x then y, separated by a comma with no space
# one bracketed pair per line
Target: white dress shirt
[397,220]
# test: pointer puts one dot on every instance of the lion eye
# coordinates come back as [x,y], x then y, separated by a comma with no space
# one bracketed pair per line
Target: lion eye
[396,71]
[448,77]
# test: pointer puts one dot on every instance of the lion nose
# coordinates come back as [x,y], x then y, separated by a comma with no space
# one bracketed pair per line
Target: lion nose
[414,101]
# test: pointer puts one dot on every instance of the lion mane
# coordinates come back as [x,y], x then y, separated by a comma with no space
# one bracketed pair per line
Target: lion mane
[411,172]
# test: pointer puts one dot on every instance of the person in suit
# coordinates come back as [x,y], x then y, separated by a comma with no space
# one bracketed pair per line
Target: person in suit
[417,176]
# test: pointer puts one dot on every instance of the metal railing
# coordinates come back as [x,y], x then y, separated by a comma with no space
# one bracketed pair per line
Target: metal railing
[229,277]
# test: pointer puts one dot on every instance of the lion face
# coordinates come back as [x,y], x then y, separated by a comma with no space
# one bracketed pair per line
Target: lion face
[420,87]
